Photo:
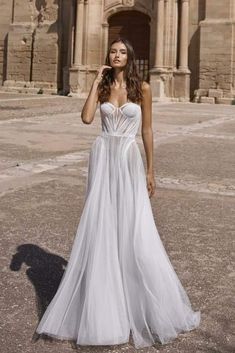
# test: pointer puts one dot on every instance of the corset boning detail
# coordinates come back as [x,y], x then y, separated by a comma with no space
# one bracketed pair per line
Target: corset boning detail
[120,121]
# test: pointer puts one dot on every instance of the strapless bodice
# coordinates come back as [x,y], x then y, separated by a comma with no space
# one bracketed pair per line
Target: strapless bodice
[120,121]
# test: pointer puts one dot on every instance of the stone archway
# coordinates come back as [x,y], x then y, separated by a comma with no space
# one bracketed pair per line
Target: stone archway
[135,26]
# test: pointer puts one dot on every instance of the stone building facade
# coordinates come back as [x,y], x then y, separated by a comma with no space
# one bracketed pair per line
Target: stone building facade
[184,48]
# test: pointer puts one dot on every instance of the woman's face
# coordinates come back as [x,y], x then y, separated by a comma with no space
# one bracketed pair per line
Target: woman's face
[118,55]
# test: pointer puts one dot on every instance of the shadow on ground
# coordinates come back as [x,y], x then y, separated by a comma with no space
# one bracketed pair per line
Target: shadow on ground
[45,271]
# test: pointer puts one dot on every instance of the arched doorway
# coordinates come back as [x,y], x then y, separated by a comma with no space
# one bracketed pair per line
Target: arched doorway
[134,26]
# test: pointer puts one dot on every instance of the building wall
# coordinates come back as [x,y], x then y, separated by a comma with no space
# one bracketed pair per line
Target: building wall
[216,77]
[39,51]
[33,45]
[5,21]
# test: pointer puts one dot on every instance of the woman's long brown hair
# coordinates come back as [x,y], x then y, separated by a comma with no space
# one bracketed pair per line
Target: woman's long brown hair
[131,76]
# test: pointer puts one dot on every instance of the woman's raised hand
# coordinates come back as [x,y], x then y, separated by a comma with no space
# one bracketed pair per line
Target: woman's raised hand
[100,72]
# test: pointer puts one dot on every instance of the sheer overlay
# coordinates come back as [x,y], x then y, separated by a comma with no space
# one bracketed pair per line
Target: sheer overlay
[119,277]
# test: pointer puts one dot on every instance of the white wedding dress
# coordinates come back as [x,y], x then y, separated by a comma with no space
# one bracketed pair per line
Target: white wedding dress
[119,278]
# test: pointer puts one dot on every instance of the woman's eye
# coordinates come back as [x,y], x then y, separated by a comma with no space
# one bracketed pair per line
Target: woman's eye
[113,52]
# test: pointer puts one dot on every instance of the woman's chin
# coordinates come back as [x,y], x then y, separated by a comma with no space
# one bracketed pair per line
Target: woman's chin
[118,66]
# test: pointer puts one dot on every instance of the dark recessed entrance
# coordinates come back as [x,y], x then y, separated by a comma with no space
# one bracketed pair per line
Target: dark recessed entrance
[134,26]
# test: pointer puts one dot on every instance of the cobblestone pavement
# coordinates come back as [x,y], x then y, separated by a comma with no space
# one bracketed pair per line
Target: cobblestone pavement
[43,161]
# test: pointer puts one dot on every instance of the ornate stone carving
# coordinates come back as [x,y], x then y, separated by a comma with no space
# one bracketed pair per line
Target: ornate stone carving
[128,2]
[111,3]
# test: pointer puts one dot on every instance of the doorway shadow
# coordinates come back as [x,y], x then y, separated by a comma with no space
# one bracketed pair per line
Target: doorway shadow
[44,271]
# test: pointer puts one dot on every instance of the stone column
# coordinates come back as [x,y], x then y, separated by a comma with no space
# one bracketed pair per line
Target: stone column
[184,34]
[85,32]
[160,34]
[182,74]
[157,77]
[175,33]
[105,26]
[70,46]
[77,72]
[71,34]
[168,41]
[168,29]
[79,33]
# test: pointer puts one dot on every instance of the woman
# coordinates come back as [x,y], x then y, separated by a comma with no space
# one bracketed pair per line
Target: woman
[119,279]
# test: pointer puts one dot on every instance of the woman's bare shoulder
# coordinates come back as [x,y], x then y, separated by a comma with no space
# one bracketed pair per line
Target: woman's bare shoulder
[145,86]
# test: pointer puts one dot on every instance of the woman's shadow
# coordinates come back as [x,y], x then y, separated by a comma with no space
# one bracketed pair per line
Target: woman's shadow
[45,271]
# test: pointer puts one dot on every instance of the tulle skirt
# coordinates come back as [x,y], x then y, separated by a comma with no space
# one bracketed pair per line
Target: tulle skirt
[119,279]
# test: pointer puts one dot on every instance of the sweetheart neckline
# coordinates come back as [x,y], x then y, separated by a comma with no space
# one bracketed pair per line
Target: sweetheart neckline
[121,106]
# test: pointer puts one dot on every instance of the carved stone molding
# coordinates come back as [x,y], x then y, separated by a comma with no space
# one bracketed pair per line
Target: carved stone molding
[112,3]
[128,2]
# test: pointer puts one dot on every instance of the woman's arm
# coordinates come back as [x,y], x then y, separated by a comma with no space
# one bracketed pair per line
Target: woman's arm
[147,135]
[90,106]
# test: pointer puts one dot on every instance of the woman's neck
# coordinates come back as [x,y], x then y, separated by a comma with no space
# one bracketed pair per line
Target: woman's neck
[119,79]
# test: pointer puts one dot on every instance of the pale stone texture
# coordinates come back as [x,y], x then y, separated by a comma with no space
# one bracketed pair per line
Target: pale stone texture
[209,100]
[5,21]
[217,48]
[57,46]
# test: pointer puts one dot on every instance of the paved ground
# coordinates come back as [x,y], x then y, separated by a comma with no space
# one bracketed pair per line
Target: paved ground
[43,161]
